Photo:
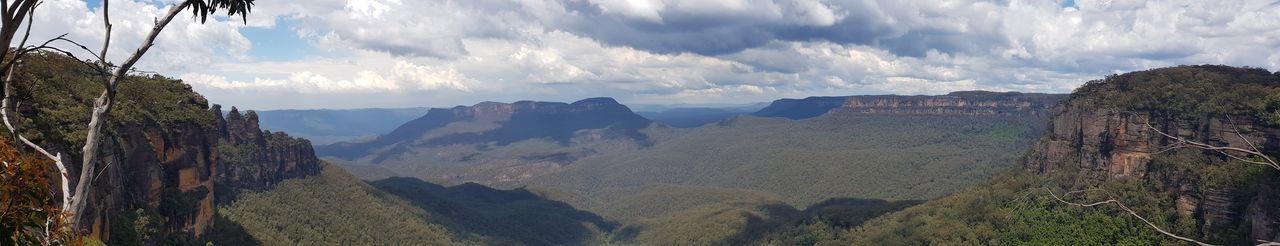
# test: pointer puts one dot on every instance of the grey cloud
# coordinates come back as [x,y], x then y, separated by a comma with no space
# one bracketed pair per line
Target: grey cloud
[900,27]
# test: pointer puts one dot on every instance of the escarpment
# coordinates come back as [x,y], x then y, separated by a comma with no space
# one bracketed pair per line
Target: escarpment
[981,103]
[254,159]
[176,174]
[167,157]
[1110,131]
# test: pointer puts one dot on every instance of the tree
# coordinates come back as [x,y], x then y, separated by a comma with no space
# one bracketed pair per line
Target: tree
[15,12]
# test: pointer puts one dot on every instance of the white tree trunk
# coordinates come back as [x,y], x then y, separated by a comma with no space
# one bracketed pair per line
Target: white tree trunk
[102,108]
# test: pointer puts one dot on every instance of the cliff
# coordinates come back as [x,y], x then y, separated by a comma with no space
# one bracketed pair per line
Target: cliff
[1106,134]
[168,155]
[253,159]
[177,174]
[502,124]
[955,103]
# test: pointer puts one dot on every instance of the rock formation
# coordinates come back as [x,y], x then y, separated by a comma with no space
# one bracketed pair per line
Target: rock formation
[500,123]
[176,175]
[1094,143]
[955,103]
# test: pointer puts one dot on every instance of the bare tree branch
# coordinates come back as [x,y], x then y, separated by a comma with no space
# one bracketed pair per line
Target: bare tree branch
[1186,143]
[102,105]
[1126,209]
[7,102]
[1224,150]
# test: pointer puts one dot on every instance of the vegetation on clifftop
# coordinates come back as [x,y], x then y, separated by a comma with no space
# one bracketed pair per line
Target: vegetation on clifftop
[1015,208]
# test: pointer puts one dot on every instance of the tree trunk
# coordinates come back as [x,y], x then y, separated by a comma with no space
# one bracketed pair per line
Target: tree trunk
[101,108]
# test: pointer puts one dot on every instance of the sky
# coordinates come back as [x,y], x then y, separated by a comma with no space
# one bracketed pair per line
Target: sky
[291,54]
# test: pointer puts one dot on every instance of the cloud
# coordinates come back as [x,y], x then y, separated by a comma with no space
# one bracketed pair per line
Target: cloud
[401,78]
[185,43]
[441,52]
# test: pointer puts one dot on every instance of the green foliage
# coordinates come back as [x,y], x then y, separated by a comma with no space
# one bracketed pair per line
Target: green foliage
[805,162]
[332,208]
[57,93]
[227,232]
[1188,91]
[1043,221]
[135,228]
[731,183]
[509,216]
[179,204]
[1013,210]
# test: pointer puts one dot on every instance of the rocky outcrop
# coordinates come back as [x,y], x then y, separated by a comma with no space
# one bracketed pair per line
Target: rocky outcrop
[955,103]
[157,172]
[163,162]
[253,159]
[175,175]
[1094,143]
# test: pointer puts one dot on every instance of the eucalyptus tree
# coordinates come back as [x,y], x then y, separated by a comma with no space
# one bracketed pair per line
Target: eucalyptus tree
[17,14]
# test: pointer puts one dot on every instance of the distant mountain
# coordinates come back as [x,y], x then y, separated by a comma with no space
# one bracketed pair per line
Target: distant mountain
[801,108]
[695,117]
[955,103]
[326,126]
[500,124]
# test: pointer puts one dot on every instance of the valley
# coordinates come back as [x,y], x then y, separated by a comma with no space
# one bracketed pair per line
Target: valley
[744,173]
[639,122]
[971,167]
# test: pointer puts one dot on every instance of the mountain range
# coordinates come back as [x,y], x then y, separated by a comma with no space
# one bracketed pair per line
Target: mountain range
[970,167]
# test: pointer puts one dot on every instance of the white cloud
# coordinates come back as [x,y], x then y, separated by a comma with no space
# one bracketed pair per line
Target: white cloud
[185,43]
[402,77]
[667,51]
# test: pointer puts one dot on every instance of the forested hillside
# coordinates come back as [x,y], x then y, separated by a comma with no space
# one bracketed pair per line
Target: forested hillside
[805,162]
[1105,143]
[726,182]
[333,208]
[750,175]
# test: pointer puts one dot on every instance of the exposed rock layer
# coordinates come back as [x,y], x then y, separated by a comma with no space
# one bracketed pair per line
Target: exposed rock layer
[956,103]
[177,172]
[1097,144]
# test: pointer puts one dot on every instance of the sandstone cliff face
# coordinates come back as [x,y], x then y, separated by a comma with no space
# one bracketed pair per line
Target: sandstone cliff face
[155,170]
[956,103]
[1097,145]
[176,174]
[256,159]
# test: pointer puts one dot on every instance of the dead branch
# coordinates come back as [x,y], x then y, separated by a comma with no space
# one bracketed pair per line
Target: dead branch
[1225,150]
[57,158]
[1126,209]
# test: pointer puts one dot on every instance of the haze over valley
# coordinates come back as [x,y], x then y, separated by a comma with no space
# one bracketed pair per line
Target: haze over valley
[640,122]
